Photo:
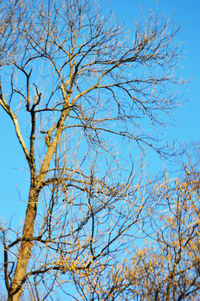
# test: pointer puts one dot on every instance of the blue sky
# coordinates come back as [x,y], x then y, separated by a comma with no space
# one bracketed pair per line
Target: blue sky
[13,169]
[185,14]
[13,173]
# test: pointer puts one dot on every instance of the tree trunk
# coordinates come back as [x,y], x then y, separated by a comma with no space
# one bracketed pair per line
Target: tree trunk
[26,245]
[28,231]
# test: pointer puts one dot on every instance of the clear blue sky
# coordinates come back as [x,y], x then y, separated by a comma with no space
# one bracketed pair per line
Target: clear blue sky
[13,173]
[185,13]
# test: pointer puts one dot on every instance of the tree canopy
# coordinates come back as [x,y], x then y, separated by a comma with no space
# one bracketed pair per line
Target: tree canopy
[77,88]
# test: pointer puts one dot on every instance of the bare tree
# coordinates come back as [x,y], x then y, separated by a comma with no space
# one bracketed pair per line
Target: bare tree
[168,266]
[72,82]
